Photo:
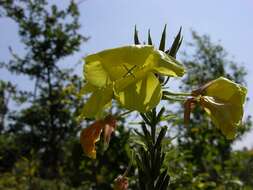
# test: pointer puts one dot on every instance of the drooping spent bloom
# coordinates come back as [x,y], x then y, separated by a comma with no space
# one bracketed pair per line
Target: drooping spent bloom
[90,135]
[223,100]
[128,74]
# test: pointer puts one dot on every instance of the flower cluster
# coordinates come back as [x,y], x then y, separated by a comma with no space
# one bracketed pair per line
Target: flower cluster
[128,74]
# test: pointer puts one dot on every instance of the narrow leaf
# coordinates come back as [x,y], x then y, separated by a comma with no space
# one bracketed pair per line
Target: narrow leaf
[165,183]
[138,133]
[176,44]
[149,38]
[142,181]
[161,136]
[145,162]
[145,119]
[160,180]
[159,115]
[139,163]
[145,131]
[163,39]
[136,38]
[180,43]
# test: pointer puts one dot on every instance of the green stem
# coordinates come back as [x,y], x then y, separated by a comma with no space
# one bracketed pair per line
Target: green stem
[177,93]
[173,98]
[123,114]
[150,160]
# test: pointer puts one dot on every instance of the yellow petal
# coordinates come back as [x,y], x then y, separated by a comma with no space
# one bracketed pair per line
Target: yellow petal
[87,88]
[95,74]
[142,95]
[89,136]
[133,78]
[97,102]
[167,65]
[225,115]
[130,69]
[114,63]
[225,90]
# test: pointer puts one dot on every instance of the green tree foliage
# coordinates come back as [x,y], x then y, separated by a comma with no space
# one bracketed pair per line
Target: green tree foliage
[7,91]
[204,151]
[39,143]
[49,35]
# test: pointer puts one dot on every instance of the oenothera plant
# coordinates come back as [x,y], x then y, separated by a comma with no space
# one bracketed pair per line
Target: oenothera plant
[135,77]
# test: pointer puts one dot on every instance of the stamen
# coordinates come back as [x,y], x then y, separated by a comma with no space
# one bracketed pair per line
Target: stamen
[129,71]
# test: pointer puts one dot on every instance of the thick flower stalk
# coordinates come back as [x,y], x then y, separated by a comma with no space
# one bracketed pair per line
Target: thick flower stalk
[128,74]
[223,101]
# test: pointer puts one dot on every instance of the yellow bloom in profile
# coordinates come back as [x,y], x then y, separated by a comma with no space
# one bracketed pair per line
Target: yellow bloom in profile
[90,135]
[223,100]
[128,74]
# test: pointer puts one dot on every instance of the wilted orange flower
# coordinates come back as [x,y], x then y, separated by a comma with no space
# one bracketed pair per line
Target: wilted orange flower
[90,135]
[120,183]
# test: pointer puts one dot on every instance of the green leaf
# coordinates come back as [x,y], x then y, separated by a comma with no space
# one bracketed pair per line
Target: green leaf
[145,131]
[165,183]
[160,180]
[149,38]
[163,39]
[176,44]
[168,117]
[159,115]
[145,119]
[136,38]
[161,136]
[145,162]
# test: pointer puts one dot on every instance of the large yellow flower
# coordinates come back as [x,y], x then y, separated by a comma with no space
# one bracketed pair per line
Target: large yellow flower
[223,101]
[128,74]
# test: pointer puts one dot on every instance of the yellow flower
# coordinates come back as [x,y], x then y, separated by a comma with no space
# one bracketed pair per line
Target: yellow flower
[223,101]
[128,74]
[90,135]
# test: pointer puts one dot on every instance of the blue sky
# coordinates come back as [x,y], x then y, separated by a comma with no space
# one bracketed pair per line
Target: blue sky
[110,23]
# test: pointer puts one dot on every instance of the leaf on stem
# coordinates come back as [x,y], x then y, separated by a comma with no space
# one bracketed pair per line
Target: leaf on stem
[163,39]
[176,44]
[149,38]
[136,38]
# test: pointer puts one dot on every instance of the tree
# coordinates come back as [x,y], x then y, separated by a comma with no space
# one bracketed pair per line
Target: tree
[48,119]
[40,139]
